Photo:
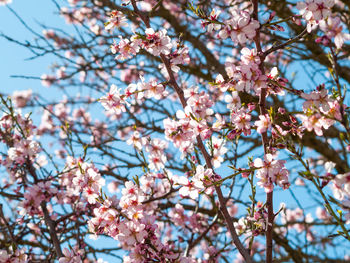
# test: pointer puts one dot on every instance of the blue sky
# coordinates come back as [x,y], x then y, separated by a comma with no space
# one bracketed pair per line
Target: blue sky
[12,56]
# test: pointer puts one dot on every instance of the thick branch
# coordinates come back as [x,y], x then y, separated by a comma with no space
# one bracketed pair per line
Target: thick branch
[48,221]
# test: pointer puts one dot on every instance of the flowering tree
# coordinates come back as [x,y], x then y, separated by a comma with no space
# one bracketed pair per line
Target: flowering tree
[181,134]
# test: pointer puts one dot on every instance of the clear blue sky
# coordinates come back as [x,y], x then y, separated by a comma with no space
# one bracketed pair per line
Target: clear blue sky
[12,56]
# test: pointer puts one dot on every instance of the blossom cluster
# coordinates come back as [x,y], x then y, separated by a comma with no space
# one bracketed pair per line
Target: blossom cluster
[19,256]
[321,111]
[117,19]
[21,97]
[80,179]
[341,188]
[18,132]
[270,172]
[192,121]
[34,196]
[240,116]
[240,27]
[247,76]
[155,147]
[116,100]
[333,29]
[136,230]
[202,180]
[255,224]
[71,256]
[314,11]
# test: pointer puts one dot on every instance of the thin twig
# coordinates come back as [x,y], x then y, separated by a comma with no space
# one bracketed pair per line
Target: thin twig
[2,216]
[283,45]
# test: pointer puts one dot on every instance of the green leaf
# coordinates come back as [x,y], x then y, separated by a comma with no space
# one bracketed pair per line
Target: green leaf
[136,180]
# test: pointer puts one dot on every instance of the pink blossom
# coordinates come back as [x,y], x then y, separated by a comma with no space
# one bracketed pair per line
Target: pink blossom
[4,256]
[334,30]
[125,48]
[157,42]
[70,257]
[131,232]
[341,186]
[5,2]
[203,178]
[21,97]
[117,19]
[263,124]
[241,27]
[233,101]
[220,123]
[315,123]
[317,99]
[313,11]
[271,172]
[47,80]
[217,148]
[241,121]
[135,140]
[153,89]
[114,100]
[18,256]
[249,56]
[22,150]
[156,162]
[188,188]
[212,25]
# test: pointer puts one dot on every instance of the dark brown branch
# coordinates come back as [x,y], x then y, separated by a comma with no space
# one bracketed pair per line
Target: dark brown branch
[51,224]
[264,138]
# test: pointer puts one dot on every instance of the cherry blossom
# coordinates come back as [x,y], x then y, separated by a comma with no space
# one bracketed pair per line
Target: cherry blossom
[263,124]
[21,98]
[117,19]
[5,2]
[211,25]
[135,140]
[217,148]
[241,121]
[314,11]
[70,256]
[317,99]
[241,27]
[157,42]
[190,189]
[18,256]
[315,123]
[270,172]
[333,30]
[125,48]
[47,80]
[114,100]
